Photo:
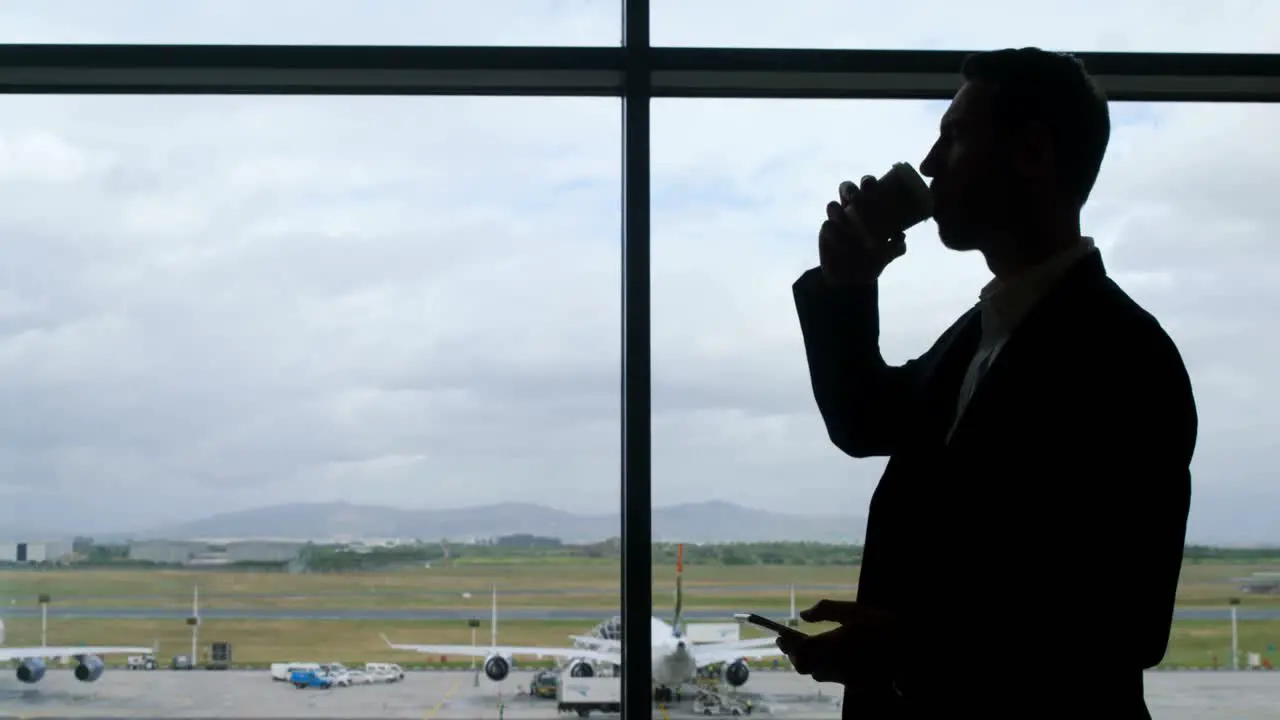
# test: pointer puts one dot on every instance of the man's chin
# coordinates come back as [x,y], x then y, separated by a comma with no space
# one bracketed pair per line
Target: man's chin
[954,239]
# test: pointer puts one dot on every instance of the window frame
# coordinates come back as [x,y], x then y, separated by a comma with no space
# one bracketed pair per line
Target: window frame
[636,73]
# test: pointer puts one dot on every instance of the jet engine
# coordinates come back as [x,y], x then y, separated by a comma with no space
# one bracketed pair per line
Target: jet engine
[31,670]
[581,668]
[736,673]
[90,668]
[496,667]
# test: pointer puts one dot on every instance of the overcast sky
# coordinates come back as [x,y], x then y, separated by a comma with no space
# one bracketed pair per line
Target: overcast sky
[214,303]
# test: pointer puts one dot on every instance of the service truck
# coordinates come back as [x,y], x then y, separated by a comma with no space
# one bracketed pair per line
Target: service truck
[702,633]
[281,671]
[544,684]
[143,662]
[584,694]
[303,679]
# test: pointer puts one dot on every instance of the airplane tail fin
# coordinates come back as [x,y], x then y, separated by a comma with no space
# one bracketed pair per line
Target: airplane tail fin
[678,617]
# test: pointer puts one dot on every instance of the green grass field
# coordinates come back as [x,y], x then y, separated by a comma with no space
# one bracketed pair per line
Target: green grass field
[585,585]
[1197,643]
[591,587]
[585,576]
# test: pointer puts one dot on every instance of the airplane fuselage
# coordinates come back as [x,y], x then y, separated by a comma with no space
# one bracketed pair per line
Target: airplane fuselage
[673,663]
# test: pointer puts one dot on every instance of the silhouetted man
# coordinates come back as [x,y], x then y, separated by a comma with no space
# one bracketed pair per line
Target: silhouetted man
[1024,543]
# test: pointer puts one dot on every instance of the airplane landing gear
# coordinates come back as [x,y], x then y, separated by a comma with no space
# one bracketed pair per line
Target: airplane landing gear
[666,695]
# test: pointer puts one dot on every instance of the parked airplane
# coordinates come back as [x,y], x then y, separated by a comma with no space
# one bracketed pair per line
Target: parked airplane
[89,665]
[675,661]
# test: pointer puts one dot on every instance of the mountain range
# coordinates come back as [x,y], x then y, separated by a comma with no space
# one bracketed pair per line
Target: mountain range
[688,522]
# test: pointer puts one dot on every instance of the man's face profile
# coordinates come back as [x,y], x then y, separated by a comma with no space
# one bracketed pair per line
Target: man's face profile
[966,170]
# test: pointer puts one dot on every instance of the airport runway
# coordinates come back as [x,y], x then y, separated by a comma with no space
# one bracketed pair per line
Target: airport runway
[422,695]
[586,615]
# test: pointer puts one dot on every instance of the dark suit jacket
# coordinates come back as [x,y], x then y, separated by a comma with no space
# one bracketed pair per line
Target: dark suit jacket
[1032,562]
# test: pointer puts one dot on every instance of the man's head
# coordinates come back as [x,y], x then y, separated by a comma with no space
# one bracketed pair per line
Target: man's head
[1022,142]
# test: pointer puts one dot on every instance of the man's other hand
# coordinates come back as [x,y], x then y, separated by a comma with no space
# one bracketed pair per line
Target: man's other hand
[862,647]
[824,656]
[845,612]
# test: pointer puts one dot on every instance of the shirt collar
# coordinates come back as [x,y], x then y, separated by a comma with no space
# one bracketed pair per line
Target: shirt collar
[1004,304]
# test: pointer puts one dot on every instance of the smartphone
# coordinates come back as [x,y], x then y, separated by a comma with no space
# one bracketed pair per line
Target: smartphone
[766,623]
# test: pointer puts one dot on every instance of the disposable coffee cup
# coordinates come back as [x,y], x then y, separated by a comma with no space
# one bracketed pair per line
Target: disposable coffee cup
[906,197]
[901,200]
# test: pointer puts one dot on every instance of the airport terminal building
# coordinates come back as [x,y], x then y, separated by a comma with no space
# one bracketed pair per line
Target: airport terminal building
[215,552]
[44,551]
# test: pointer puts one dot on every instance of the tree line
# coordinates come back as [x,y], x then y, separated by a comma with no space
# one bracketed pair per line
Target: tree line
[335,558]
[318,557]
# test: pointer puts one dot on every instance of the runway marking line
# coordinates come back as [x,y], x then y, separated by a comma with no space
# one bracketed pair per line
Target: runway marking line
[432,712]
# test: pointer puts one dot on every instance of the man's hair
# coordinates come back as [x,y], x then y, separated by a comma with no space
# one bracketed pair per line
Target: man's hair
[1053,89]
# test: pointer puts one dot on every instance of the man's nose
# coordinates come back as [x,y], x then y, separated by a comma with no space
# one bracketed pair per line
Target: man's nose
[928,166]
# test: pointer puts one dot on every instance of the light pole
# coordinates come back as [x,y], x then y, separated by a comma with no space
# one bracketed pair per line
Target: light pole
[44,618]
[1235,636]
[474,623]
[194,623]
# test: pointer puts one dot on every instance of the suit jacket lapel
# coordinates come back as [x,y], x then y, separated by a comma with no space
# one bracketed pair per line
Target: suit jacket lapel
[1033,335]
[940,379]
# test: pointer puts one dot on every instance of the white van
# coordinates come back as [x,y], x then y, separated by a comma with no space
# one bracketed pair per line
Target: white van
[384,672]
[280,672]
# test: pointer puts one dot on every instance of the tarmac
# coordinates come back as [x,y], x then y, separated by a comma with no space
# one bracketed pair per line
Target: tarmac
[422,695]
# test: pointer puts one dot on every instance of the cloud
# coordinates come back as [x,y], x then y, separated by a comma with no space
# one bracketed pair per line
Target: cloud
[1081,25]
[211,303]
[326,22]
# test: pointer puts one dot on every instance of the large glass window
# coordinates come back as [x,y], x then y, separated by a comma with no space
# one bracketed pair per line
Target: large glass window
[314,22]
[347,368]
[1181,216]
[327,389]
[1135,25]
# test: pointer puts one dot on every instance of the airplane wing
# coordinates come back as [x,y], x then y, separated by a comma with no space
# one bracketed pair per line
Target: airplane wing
[713,654]
[484,651]
[763,642]
[616,646]
[19,653]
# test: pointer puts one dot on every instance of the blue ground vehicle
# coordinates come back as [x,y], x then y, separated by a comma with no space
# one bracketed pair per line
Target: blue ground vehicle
[303,679]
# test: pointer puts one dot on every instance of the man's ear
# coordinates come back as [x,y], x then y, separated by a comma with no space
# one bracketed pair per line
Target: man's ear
[1033,156]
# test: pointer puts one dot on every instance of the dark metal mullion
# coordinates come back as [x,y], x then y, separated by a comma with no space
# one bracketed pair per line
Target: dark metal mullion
[591,71]
[798,60]
[637,524]
[942,86]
